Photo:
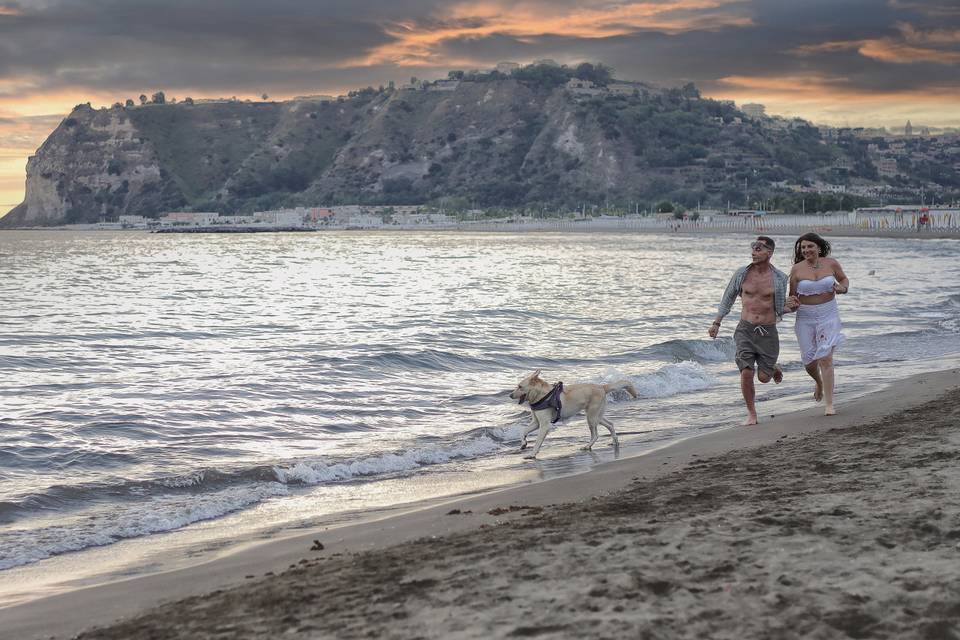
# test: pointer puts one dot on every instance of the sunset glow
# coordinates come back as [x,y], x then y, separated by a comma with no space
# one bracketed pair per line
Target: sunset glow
[827,64]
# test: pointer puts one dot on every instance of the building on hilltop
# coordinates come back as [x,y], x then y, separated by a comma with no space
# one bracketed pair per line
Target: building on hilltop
[908,129]
[507,67]
[580,87]
[444,85]
[754,110]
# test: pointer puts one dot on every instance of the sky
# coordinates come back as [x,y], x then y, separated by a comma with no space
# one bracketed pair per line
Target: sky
[839,62]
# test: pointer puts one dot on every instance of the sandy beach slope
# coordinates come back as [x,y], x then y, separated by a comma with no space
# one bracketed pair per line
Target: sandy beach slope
[803,527]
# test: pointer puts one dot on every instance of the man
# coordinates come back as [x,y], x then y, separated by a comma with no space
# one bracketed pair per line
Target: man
[763,297]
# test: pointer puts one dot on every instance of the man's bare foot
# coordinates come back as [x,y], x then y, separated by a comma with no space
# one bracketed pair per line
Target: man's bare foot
[751,419]
[829,411]
[777,374]
[818,393]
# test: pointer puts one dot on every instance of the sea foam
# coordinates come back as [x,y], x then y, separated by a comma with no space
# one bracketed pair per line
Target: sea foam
[20,546]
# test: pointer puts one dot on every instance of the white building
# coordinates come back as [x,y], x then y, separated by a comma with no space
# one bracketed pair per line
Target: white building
[343,212]
[507,67]
[364,221]
[234,220]
[444,85]
[134,221]
[754,110]
[582,87]
[887,166]
[281,217]
[188,218]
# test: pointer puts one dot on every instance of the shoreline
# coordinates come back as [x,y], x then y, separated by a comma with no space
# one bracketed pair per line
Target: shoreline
[567,228]
[68,613]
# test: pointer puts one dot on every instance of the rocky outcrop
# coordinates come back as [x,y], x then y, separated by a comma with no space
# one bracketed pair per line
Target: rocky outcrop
[493,141]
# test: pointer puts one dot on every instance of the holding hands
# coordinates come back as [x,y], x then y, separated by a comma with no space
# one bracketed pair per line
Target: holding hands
[792,304]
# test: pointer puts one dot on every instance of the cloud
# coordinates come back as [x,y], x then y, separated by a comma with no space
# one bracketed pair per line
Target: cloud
[832,99]
[911,45]
[19,133]
[423,43]
[930,8]
[56,53]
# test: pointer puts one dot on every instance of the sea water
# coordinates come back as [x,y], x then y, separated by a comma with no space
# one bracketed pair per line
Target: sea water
[189,389]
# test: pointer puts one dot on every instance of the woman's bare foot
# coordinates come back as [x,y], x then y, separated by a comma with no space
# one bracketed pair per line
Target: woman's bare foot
[818,393]
[777,374]
[751,419]
[829,411]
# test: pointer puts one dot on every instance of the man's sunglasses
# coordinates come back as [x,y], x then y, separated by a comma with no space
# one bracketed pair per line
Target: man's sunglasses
[761,246]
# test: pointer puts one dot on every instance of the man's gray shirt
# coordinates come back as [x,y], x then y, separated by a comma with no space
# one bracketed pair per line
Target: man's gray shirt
[780,282]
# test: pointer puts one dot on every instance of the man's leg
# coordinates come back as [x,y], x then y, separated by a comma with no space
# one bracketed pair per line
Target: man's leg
[749,394]
[768,350]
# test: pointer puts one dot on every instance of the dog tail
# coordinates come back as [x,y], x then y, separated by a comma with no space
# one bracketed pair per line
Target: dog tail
[622,384]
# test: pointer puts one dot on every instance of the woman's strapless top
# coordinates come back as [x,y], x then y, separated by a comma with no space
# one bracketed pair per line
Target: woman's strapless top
[816,287]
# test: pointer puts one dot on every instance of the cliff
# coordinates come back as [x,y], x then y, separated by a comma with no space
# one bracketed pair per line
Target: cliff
[493,140]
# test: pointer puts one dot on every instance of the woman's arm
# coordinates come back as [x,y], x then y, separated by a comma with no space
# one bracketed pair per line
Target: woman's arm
[843,283]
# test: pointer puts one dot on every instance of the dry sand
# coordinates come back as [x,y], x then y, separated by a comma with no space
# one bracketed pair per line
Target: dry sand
[830,528]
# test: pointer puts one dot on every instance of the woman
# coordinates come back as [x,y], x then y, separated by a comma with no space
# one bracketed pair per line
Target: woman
[815,280]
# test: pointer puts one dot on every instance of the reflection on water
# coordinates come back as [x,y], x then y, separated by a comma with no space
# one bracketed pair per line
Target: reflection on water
[156,383]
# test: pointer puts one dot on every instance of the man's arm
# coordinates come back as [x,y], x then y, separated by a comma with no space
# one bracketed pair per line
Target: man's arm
[726,303]
[792,301]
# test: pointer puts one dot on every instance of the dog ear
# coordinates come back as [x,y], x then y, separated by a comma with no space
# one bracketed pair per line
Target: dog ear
[536,374]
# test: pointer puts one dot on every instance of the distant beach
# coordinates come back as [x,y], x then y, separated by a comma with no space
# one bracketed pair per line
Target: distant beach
[802,527]
[783,225]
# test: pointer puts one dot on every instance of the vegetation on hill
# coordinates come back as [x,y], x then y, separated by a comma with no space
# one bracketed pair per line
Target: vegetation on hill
[543,137]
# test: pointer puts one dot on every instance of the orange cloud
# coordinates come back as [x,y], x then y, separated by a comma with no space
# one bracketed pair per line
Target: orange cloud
[420,44]
[886,51]
[913,45]
[832,100]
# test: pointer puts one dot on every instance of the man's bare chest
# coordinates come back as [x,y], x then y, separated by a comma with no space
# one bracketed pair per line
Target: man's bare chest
[757,285]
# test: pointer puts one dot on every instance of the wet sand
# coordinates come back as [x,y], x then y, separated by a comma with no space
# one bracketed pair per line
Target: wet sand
[801,527]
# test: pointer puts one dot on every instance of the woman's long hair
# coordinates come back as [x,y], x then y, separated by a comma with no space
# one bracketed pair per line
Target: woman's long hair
[810,237]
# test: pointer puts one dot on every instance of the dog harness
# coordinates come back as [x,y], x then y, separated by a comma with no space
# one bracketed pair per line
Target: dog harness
[550,401]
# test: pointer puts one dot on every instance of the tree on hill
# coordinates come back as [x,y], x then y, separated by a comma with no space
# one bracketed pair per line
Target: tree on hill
[598,74]
[143,99]
[158,98]
[129,102]
[543,75]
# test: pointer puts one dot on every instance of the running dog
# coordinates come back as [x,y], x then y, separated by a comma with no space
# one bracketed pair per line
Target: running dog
[550,403]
